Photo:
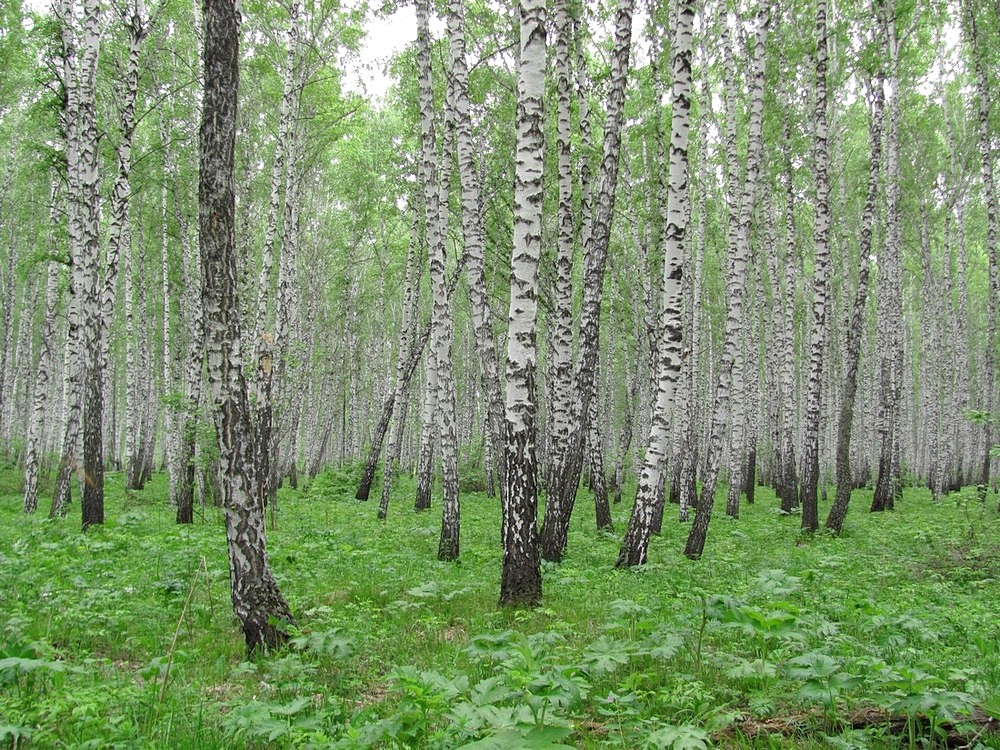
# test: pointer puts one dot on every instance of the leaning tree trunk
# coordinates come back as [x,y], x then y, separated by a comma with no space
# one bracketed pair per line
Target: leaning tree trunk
[821,282]
[521,577]
[565,480]
[835,519]
[257,600]
[636,542]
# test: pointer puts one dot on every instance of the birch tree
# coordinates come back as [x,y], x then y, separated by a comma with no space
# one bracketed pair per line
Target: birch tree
[565,479]
[735,283]
[257,600]
[845,420]
[635,544]
[821,279]
[521,578]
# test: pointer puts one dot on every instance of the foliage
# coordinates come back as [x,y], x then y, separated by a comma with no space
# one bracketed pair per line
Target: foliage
[398,650]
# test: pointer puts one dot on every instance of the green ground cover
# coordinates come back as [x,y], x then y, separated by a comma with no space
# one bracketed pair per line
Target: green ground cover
[886,637]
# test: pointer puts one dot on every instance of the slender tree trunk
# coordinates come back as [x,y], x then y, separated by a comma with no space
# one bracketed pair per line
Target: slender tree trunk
[845,421]
[735,281]
[992,235]
[566,477]
[41,388]
[71,459]
[472,232]
[521,577]
[821,281]
[636,542]
[257,600]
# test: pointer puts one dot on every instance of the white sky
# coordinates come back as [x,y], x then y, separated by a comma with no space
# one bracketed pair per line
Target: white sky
[365,72]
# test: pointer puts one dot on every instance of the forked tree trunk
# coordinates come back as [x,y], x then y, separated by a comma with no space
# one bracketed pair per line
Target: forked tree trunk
[257,600]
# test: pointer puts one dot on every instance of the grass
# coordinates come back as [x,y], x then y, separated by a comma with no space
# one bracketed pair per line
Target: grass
[886,637]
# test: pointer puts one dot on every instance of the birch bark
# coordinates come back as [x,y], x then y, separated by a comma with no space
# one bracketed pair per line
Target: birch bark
[521,577]
[257,600]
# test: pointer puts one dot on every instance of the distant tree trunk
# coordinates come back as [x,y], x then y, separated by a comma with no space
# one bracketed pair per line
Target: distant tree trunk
[739,246]
[134,345]
[194,360]
[835,519]
[787,476]
[735,282]
[401,391]
[888,486]
[821,281]
[257,600]
[599,484]
[521,577]
[636,542]
[566,479]
[134,20]
[43,374]
[472,232]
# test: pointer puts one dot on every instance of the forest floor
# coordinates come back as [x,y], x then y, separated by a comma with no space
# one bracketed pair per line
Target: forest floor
[886,637]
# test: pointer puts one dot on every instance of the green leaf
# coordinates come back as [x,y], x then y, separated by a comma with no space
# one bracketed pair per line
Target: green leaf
[678,737]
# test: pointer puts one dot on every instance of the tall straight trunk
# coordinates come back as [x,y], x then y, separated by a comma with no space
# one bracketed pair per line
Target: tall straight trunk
[735,247]
[561,346]
[442,334]
[888,485]
[134,21]
[821,281]
[521,576]
[134,343]
[43,375]
[566,476]
[187,416]
[171,414]
[787,480]
[992,233]
[845,420]
[92,506]
[71,461]
[286,302]
[668,366]
[735,282]
[257,600]
[472,233]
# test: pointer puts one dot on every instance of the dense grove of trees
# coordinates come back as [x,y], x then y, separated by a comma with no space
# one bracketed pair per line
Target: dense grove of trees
[737,243]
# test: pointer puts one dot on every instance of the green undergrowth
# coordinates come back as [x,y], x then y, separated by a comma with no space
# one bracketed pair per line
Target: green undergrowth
[886,637]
